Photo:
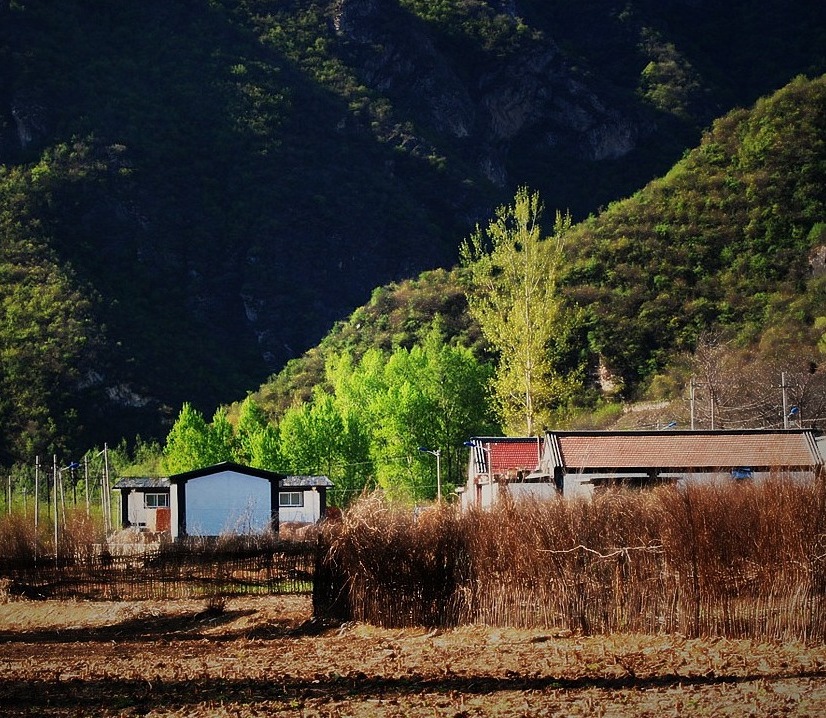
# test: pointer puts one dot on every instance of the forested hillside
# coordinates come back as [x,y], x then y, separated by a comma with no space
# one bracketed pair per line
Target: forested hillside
[192,193]
[730,243]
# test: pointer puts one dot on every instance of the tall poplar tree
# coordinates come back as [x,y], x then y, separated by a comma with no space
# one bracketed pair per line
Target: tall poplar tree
[513,271]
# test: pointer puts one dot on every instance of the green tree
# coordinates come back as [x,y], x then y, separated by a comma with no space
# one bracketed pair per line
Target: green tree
[191,443]
[221,440]
[323,437]
[513,271]
[433,395]
[257,441]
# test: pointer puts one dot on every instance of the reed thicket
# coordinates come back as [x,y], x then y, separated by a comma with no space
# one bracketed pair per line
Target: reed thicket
[736,560]
[79,538]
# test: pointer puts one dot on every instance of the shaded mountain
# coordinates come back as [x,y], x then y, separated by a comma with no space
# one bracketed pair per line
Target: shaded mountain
[205,187]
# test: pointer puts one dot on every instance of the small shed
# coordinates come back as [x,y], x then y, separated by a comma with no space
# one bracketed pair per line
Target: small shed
[219,499]
[144,503]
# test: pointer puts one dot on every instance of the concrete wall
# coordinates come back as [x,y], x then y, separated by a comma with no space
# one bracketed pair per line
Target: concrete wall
[138,515]
[227,502]
[531,491]
[309,513]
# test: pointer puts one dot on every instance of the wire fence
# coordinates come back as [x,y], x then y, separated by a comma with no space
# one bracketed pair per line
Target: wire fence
[170,571]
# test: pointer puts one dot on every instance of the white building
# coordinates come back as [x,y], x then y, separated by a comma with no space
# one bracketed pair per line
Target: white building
[577,463]
[226,498]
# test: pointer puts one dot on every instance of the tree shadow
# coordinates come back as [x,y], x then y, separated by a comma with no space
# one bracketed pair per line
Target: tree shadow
[192,625]
[141,628]
[152,693]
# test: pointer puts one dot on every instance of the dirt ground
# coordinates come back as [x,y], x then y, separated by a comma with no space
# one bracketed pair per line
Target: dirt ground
[265,656]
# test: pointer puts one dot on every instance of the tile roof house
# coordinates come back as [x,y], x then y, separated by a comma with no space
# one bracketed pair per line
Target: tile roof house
[579,461]
[496,461]
[575,463]
[224,498]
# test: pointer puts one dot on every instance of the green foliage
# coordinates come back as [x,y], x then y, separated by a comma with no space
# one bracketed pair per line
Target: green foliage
[513,297]
[46,331]
[668,81]
[193,443]
[432,395]
[479,25]
[143,458]
[720,240]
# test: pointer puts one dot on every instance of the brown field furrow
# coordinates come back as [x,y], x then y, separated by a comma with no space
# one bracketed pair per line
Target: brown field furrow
[265,656]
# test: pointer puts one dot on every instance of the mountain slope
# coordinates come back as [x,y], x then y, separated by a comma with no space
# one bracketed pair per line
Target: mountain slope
[217,181]
[732,239]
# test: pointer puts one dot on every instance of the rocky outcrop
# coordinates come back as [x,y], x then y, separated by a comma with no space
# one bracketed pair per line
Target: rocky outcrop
[29,114]
[395,56]
[495,106]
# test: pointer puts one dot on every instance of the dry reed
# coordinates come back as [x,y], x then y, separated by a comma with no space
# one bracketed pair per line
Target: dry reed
[736,560]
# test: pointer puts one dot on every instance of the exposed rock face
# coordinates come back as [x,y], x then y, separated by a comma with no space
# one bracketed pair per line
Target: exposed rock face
[494,107]
[29,115]
[352,18]
[817,260]
[400,59]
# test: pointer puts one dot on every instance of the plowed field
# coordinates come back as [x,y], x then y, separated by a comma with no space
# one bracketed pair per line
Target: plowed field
[265,656]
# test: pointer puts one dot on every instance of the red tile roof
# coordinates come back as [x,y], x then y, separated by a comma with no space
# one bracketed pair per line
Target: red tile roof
[665,449]
[524,454]
[506,453]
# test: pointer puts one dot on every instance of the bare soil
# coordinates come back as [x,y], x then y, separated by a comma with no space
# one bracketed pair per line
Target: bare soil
[266,656]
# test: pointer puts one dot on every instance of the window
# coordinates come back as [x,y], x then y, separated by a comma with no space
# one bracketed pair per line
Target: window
[291,498]
[155,501]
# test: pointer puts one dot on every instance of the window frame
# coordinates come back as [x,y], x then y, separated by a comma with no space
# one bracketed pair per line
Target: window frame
[158,495]
[283,505]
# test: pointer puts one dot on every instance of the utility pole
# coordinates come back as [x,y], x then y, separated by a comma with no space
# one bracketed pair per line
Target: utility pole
[783,389]
[438,454]
[107,509]
[692,388]
[711,395]
[54,505]
[86,479]
[36,494]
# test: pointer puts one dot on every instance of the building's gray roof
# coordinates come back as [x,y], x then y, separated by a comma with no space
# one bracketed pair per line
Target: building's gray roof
[142,482]
[157,482]
[291,482]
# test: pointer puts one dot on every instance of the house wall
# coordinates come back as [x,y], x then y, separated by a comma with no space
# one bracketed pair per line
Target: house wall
[309,513]
[138,515]
[466,498]
[173,509]
[487,492]
[531,491]
[481,495]
[582,486]
[227,502]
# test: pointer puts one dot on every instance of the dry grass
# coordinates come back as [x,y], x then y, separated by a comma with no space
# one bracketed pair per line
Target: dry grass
[739,560]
